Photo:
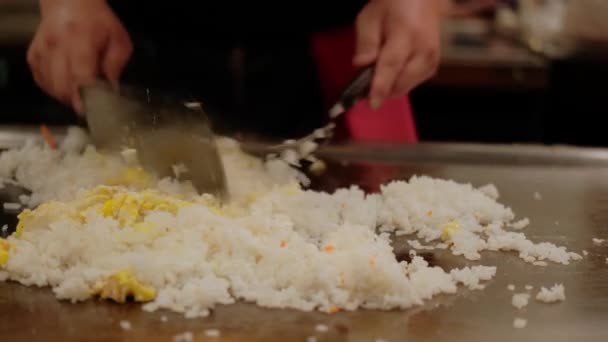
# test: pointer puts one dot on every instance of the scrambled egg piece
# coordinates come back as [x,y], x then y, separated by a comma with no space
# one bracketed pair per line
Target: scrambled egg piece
[133,176]
[448,229]
[44,213]
[128,208]
[123,285]
[4,249]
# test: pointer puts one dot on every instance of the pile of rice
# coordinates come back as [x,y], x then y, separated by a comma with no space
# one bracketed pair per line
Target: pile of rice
[104,227]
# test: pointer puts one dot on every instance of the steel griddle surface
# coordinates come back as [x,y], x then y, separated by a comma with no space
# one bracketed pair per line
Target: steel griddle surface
[573,210]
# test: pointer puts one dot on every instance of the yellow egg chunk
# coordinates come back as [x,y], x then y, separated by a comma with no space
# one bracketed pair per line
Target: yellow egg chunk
[123,285]
[23,216]
[133,176]
[43,214]
[448,229]
[4,249]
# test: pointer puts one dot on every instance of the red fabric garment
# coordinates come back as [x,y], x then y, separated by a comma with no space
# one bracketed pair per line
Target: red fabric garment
[393,122]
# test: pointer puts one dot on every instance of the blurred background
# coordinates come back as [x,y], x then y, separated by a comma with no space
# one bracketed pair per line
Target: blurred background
[512,71]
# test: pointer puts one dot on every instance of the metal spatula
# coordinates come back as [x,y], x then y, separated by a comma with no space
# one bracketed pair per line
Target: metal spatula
[166,134]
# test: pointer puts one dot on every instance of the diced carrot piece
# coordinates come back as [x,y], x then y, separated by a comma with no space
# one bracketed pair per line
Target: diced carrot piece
[48,137]
[283,243]
[329,248]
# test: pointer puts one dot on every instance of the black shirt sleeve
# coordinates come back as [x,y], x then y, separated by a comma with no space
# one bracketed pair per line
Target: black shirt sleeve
[236,19]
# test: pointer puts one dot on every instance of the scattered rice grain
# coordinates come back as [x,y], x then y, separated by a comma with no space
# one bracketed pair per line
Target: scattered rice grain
[321,328]
[125,325]
[184,337]
[554,294]
[519,323]
[11,206]
[212,333]
[520,300]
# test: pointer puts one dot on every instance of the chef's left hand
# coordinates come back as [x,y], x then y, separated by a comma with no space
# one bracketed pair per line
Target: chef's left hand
[403,38]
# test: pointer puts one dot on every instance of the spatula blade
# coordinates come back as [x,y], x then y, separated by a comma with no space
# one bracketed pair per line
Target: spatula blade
[166,135]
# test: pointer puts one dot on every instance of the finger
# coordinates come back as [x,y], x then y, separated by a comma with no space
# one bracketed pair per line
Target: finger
[391,62]
[420,67]
[84,68]
[369,35]
[60,79]
[76,102]
[116,55]
[415,72]
[34,61]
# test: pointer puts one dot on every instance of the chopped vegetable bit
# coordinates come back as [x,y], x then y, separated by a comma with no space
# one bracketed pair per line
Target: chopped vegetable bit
[283,243]
[429,213]
[122,285]
[317,167]
[48,137]
[333,309]
[4,249]
[448,229]
[329,248]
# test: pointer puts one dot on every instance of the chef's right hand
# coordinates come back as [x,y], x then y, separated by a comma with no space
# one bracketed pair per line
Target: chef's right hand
[75,41]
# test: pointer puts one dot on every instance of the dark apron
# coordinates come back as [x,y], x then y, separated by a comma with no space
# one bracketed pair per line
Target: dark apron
[248,62]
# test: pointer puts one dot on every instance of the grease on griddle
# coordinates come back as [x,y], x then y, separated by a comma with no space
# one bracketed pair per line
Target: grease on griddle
[407,257]
[342,329]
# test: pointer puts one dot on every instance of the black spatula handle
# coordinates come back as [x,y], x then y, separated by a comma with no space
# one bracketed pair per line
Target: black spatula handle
[358,87]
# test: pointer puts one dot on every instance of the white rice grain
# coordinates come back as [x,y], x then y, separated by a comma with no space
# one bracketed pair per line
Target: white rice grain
[125,325]
[597,241]
[554,294]
[511,287]
[471,276]
[521,224]
[322,328]
[184,337]
[11,206]
[212,333]
[520,323]
[520,300]
[24,199]
[490,190]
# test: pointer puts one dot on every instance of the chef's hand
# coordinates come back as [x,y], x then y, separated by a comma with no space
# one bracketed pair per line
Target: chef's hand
[403,38]
[76,40]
